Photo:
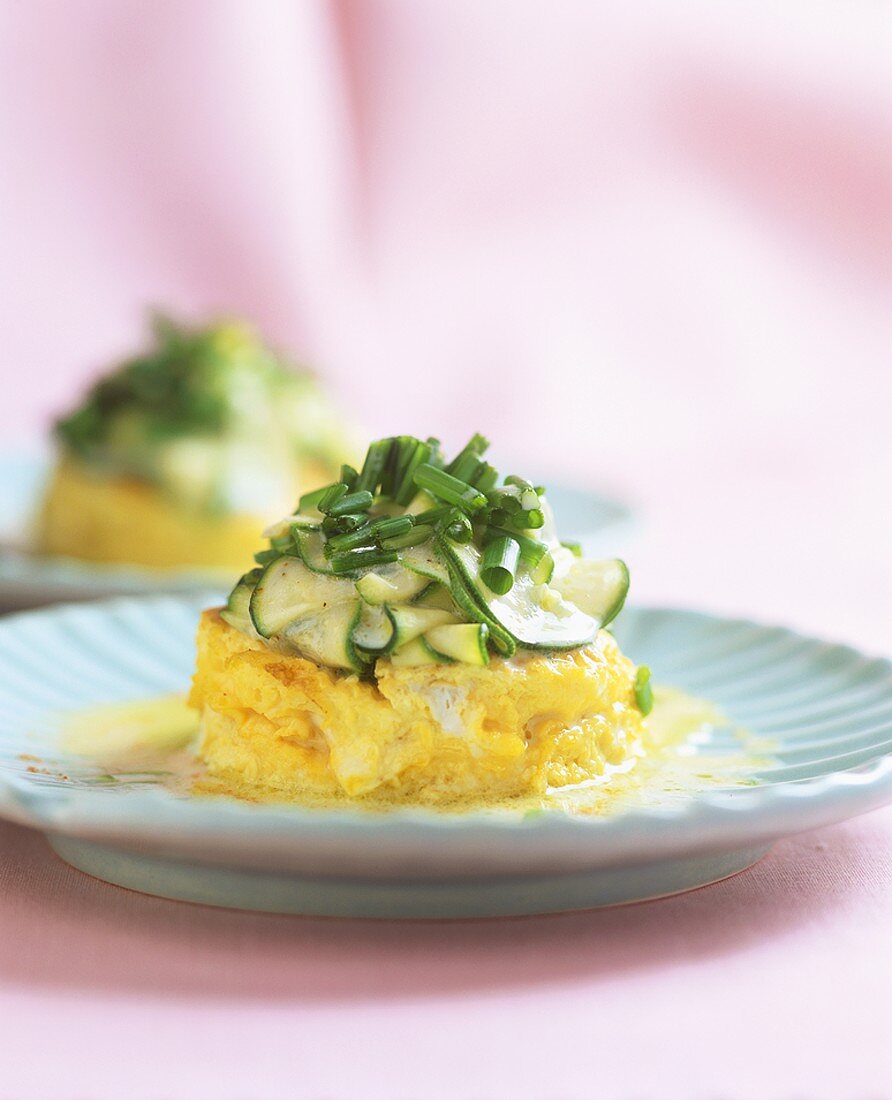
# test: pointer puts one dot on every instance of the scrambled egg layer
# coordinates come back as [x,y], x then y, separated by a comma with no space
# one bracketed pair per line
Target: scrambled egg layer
[436,734]
[97,517]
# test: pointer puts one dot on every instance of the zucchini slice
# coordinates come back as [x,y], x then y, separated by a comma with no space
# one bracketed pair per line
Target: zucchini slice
[390,584]
[552,624]
[237,610]
[598,588]
[375,630]
[326,637]
[464,642]
[437,596]
[424,561]
[411,622]
[310,547]
[415,653]
[287,592]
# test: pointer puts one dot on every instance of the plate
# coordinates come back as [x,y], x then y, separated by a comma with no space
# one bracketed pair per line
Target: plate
[827,709]
[30,581]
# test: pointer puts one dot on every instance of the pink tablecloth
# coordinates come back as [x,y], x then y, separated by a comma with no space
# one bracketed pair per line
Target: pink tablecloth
[774,984]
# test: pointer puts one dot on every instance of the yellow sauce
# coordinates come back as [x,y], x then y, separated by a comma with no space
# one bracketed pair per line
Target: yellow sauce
[152,740]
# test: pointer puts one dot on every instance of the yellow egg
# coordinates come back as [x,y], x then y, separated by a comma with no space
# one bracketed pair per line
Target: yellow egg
[94,515]
[434,734]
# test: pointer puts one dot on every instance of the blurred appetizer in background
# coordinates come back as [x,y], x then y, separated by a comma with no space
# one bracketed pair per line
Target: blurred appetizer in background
[416,633]
[181,454]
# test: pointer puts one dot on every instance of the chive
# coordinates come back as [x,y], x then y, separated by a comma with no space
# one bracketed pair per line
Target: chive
[309,501]
[264,557]
[373,467]
[339,525]
[449,488]
[349,540]
[359,501]
[466,467]
[349,476]
[351,560]
[531,520]
[331,497]
[507,499]
[458,527]
[575,548]
[476,446]
[486,477]
[644,692]
[281,543]
[392,526]
[499,564]
[415,536]
[532,551]
[436,458]
[405,488]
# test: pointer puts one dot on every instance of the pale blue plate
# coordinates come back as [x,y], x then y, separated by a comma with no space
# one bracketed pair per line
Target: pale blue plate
[30,581]
[827,708]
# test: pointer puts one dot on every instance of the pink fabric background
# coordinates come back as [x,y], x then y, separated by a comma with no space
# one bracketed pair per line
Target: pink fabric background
[658,235]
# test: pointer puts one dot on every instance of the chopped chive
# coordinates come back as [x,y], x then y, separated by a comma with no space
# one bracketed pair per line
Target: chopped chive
[575,548]
[373,467]
[415,536]
[486,478]
[335,493]
[392,526]
[309,501]
[458,527]
[449,488]
[405,489]
[281,543]
[351,560]
[466,467]
[436,458]
[433,515]
[264,557]
[499,564]
[359,501]
[477,446]
[349,540]
[507,499]
[532,551]
[531,520]
[349,476]
[644,692]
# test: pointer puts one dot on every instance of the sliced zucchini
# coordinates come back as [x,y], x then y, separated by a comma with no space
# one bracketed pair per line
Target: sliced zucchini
[411,622]
[237,610]
[390,584]
[437,596]
[552,624]
[287,591]
[415,653]
[464,642]
[375,631]
[326,637]
[310,546]
[598,588]
[426,562]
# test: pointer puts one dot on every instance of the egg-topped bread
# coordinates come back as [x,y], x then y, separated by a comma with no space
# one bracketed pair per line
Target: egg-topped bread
[179,456]
[415,633]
